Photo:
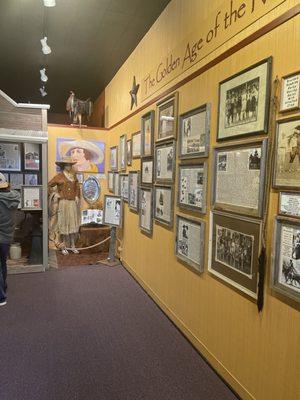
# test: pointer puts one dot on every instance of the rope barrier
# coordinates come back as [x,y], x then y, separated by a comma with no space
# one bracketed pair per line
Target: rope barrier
[59,245]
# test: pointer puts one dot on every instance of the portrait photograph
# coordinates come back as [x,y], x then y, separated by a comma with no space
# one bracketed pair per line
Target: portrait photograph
[129,152]
[163,205]
[167,118]
[290,92]
[192,187]
[123,152]
[123,182]
[133,190]
[146,210]
[165,162]
[113,161]
[31,156]
[147,171]
[113,210]
[147,132]
[136,145]
[10,156]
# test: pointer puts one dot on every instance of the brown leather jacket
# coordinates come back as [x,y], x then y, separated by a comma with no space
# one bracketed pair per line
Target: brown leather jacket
[67,189]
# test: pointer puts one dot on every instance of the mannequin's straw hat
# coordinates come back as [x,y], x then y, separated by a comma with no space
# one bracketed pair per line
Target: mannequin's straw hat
[3,182]
[96,153]
[65,161]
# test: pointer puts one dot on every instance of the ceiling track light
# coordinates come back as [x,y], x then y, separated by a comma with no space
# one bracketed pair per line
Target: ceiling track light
[44,77]
[43,91]
[45,48]
[49,3]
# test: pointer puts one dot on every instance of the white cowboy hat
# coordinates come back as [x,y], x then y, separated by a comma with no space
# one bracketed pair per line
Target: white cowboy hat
[95,151]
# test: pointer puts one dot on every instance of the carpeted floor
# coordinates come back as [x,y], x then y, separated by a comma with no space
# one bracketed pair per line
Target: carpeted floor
[91,333]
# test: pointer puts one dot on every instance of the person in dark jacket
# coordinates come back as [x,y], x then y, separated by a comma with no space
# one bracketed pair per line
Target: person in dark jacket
[9,201]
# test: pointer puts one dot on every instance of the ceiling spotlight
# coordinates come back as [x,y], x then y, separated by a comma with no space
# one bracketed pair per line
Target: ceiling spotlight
[49,3]
[45,48]
[44,77]
[43,92]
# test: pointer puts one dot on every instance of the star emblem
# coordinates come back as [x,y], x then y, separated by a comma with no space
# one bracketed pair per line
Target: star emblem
[133,93]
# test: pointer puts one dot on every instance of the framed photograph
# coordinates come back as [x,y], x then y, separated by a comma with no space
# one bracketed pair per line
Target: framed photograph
[147,133]
[146,210]
[165,162]
[244,102]
[113,210]
[287,154]
[16,181]
[129,152]
[91,190]
[124,183]
[290,92]
[110,181]
[123,152]
[239,178]
[147,171]
[10,156]
[91,216]
[167,118]
[136,145]
[289,204]
[31,197]
[31,179]
[234,251]
[194,130]
[113,161]
[31,156]
[192,182]
[133,189]
[189,243]
[285,271]
[116,184]
[163,205]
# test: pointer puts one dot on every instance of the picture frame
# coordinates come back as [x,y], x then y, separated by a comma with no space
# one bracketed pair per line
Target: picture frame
[236,265]
[290,92]
[123,152]
[113,210]
[189,241]
[194,132]
[192,183]
[289,204]
[16,181]
[163,205]
[129,152]
[91,190]
[32,156]
[239,178]
[124,186]
[31,179]
[244,100]
[147,171]
[285,267]
[116,184]
[32,197]
[110,181]
[136,145]
[167,111]
[133,190]
[286,159]
[10,157]
[165,162]
[146,210]
[113,160]
[147,134]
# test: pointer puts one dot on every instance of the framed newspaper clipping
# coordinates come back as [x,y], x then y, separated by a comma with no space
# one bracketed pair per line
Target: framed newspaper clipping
[290,92]
[194,129]
[146,210]
[289,204]
[147,133]
[110,181]
[165,162]
[146,171]
[285,272]
[123,190]
[123,152]
[167,118]
[239,178]
[129,151]
[32,197]
[244,102]
[113,210]
[189,243]
[136,145]
[133,190]
[10,156]
[192,182]
[116,184]
[163,205]
[113,161]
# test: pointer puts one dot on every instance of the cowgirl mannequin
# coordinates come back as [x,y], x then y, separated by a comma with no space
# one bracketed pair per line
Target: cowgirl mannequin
[67,196]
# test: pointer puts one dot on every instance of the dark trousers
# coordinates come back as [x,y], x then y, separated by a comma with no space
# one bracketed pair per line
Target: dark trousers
[3,270]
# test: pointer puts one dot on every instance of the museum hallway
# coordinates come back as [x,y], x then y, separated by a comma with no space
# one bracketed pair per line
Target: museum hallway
[90,333]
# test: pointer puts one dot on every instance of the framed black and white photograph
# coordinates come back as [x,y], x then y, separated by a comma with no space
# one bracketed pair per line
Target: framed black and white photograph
[16,181]
[146,210]
[10,156]
[110,181]
[123,182]
[113,210]
[31,179]
[287,154]
[147,132]
[116,184]
[239,178]
[133,190]
[32,156]
[31,197]
[192,182]
[147,171]
[285,271]
[113,161]
[234,251]
[289,204]
[167,118]
[165,162]
[129,151]
[194,130]
[290,92]
[163,205]
[136,145]
[244,102]
[123,152]
[189,243]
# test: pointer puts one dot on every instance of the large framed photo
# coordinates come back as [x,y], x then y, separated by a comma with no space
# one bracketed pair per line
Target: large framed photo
[136,145]
[133,189]
[147,133]
[32,156]
[146,210]
[129,151]
[113,210]
[113,161]
[147,171]
[189,244]
[239,178]
[290,92]
[289,204]
[31,197]
[192,187]
[163,205]
[10,156]
[287,154]
[165,162]
[285,272]
[110,180]
[194,129]
[116,190]
[244,102]
[123,152]
[167,118]
[234,251]
[123,182]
